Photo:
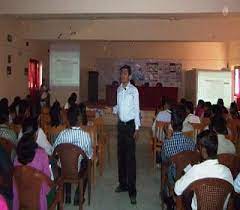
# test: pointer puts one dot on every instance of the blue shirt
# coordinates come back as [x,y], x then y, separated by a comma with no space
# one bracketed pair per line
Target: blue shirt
[178,143]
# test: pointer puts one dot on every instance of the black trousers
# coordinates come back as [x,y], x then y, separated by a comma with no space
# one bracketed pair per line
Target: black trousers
[127,157]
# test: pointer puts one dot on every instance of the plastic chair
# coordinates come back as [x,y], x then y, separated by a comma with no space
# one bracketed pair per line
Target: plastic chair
[211,194]
[69,155]
[28,183]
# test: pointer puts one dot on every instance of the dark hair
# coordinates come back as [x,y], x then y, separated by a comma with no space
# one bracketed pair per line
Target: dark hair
[183,101]
[74,116]
[217,110]
[234,110]
[209,141]
[26,149]
[4,117]
[55,114]
[220,102]
[178,115]
[219,125]
[200,103]
[74,96]
[4,105]
[30,125]
[126,67]
[132,82]
[207,109]
[189,107]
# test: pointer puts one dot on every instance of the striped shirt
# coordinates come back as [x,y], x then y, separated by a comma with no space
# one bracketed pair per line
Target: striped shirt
[77,137]
[7,133]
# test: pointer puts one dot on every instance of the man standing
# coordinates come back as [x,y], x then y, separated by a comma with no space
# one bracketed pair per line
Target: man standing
[128,112]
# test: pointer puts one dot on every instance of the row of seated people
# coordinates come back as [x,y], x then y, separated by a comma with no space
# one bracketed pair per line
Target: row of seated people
[210,143]
[33,149]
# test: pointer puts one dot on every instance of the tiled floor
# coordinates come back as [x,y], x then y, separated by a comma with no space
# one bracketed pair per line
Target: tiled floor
[148,181]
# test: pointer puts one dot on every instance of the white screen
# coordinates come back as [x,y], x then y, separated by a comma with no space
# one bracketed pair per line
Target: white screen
[64,65]
[214,85]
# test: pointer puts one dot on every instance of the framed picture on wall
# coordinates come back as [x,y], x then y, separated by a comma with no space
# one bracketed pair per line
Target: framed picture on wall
[9,38]
[26,71]
[9,59]
[9,70]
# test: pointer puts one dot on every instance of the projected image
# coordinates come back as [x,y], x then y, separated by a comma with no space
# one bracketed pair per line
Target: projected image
[64,68]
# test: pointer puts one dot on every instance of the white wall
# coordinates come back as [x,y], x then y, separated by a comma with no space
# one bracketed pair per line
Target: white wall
[115,6]
[16,84]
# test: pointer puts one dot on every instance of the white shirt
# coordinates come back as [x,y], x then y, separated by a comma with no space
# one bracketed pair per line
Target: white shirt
[191,118]
[225,145]
[163,116]
[127,106]
[237,184]
[41,141]
[206,169]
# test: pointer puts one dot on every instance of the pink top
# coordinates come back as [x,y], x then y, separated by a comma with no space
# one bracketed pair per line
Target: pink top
[41,163]
[3,203]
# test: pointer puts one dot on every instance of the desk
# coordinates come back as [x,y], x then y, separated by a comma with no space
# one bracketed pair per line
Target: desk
[149,97]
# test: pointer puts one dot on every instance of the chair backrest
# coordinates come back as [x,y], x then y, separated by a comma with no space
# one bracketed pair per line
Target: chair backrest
[161,130]
[54,131]
[211,193]
[234,126]
[69,155]
[91,114]
[205,121]
[28,183]
[232,162]
[182,159]
[189,134]
[7,145]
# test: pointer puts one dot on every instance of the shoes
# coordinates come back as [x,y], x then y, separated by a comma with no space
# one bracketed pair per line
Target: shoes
[121,189]
[133,200]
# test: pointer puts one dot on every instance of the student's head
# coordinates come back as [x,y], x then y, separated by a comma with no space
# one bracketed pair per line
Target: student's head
[200,103]
[234,110]
[189,107]
[74,97]
[4,105]
[177,117]
[55,114]
[220,102]
[207,142]
[30,126]
[26,148]
[167,103]
[125,73]
[183,101]
[4,117]
[4,101]
[217,110]
[75,117]
[219,125]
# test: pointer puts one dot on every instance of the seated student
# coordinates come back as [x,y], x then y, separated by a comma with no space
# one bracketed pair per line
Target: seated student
[5,131]
[221,104]
[219,125]
[76,136]
[55,114]
[6,168]
[4,105]
[31,125]
[234,114]
[207,109]
[178,143]
[164,116]
[15,104]
[200,109]
[191,118]
[28,153]
[210,168]
[71,101]
[23,112]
